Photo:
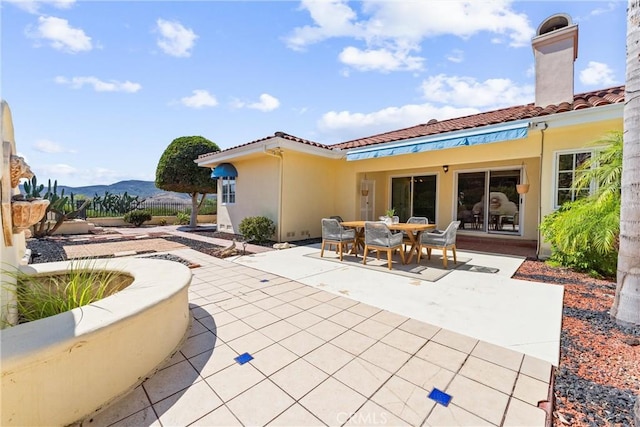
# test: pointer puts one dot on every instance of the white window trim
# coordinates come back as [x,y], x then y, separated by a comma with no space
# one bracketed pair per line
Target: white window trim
[556,157]
[222,199]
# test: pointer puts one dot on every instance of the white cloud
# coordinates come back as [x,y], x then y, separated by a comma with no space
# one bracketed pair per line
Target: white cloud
[531,71]
[46,146]
[55,172]
[456,55]
[33,6]
[200,99]
[77,177]
[347,125]
[175,40]
[400,27]
[266,103]
[99,85]
[468,92]
[382,60]
[61,35]
[597,73]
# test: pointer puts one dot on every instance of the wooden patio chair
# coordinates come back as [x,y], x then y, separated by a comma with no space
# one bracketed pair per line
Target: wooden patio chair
[334,234]
[440,240]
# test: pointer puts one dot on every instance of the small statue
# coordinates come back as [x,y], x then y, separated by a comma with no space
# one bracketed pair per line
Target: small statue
[19,169]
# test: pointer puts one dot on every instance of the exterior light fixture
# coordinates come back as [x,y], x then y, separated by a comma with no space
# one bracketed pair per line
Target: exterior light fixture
[445,168]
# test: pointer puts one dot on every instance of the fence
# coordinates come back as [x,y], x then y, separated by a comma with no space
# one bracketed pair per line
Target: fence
[95,210]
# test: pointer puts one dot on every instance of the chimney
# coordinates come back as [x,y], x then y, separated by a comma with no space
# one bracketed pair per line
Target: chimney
[555,49]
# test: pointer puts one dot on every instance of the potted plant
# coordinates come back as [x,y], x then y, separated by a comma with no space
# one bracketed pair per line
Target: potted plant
[388,216]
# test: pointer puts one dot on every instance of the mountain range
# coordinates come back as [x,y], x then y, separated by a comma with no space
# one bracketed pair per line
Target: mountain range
[143,189]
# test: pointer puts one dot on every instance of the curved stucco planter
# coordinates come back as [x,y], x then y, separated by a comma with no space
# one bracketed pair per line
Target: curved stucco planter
[61,369]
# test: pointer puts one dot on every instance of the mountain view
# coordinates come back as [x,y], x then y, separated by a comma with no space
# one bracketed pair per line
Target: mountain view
[143,189]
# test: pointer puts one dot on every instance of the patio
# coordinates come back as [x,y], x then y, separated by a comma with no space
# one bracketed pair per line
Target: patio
[326,351]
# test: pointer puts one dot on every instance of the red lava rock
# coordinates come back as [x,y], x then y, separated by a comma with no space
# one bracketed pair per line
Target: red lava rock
[598,379]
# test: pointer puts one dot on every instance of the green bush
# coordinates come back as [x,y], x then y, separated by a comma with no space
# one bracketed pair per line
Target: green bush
[257,228]
[584,233]
[137,217]
[182,218]
[40,296]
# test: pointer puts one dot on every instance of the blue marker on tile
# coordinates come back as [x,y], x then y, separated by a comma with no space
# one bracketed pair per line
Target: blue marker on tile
[264,280]
[243,358]
[440,396]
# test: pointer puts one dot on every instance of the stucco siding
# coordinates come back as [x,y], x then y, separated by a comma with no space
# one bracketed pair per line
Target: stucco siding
[257,189]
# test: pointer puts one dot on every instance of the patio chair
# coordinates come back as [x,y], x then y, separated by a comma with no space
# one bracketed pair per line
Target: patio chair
[378,236]
[334,234]
[413,220]
[440,240]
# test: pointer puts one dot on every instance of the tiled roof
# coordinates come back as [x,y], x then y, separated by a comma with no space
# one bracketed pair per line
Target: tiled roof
[598,98]
[277,134]
[614,95]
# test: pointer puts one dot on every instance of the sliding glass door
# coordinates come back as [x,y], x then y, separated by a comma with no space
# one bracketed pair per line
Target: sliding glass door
[414,196]
[497,213]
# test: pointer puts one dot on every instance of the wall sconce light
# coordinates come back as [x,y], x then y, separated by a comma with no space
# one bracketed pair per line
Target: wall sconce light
[445,168]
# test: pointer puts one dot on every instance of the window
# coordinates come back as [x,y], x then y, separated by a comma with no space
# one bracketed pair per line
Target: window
[228,190]
[414,196]
[567,165]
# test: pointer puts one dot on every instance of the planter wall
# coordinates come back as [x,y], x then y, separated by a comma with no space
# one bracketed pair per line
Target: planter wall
[61,369]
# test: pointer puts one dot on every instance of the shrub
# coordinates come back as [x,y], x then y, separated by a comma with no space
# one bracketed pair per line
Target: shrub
[182,218]
[163,222]
[257,228]
[41,296]
[137,217]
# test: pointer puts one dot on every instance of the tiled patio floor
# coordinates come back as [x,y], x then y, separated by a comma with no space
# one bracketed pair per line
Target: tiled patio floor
[323,359]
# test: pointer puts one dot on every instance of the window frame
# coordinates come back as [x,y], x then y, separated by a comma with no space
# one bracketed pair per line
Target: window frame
[228,183]
[556,173]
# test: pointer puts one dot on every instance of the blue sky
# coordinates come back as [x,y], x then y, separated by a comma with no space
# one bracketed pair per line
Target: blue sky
[98,90]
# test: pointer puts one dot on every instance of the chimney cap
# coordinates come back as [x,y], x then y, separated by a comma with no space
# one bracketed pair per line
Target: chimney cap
[553,23]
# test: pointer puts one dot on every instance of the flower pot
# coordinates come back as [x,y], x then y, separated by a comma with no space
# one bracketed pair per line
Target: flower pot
[25,213]
[522,188]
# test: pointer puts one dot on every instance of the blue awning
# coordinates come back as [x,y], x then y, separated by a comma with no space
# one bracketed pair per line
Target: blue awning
[440,142]
[224,170]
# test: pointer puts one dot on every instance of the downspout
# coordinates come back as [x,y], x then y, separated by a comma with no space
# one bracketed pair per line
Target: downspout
[277,152]
[538,243]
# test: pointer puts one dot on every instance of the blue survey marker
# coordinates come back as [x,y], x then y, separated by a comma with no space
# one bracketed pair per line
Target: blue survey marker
[243,358]
[440,396]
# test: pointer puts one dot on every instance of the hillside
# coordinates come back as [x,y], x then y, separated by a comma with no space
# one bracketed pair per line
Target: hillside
[143,189]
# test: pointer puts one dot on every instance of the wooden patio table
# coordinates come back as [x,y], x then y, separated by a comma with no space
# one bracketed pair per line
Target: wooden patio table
[413,231]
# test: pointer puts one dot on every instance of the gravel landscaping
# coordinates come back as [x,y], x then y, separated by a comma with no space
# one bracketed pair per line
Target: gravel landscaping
[599,374]
[598,379]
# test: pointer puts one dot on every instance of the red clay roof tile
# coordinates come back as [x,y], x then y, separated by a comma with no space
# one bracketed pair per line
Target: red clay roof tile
[593,99]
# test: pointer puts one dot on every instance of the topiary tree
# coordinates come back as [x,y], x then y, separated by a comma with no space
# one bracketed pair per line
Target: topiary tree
[178,172]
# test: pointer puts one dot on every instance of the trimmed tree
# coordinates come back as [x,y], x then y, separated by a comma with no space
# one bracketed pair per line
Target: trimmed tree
[178,172]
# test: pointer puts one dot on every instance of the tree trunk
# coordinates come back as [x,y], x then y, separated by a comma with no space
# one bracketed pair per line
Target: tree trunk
[193,221]
[626,305]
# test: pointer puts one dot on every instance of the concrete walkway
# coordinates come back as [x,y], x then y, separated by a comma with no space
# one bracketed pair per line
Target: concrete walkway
[335,345]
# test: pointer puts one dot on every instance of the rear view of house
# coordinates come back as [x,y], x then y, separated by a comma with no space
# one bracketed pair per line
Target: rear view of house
[498,172]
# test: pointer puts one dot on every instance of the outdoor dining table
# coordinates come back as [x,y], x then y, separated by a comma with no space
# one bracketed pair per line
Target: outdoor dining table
[413,232]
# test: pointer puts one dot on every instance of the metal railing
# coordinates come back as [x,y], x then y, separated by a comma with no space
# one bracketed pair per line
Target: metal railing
[95,210]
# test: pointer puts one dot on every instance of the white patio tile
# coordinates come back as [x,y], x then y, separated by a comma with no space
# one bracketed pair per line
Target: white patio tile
[332,402]
[187,406]
[405,400]
[170,380]
[260,404]
[329,358]
[272,359]
[296,416]
[234,380]
[220,417]
[298,378]
[362,376]
[128,405]
[385,356]
[489,374]
[145,417]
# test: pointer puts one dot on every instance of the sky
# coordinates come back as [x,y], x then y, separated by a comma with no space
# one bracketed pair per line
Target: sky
[99,89]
